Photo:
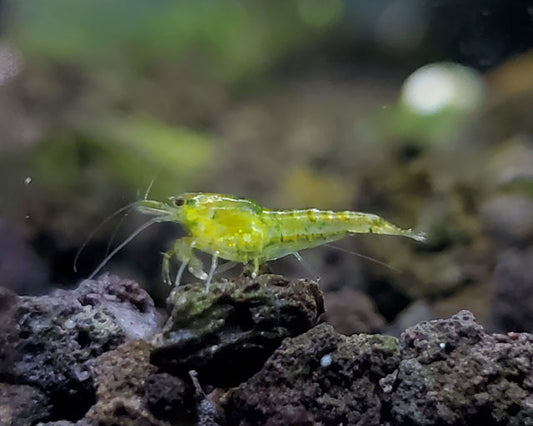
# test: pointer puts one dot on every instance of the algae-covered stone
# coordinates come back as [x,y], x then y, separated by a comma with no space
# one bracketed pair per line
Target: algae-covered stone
[453,373]
[320,377]
[227,333]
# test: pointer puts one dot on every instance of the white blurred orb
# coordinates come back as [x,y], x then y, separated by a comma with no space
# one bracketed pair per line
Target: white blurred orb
[443,86]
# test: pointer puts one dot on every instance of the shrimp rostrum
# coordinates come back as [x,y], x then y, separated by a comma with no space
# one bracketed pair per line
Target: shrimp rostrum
[240,230]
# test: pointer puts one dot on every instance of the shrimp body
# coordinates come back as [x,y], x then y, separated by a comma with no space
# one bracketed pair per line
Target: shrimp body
[241,230]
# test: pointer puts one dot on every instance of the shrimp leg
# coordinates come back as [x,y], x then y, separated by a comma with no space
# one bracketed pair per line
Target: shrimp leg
[214,261]
[255,272]
[183,251]
[165,268]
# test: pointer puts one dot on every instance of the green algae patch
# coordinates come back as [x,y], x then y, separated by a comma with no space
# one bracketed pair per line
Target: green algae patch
[228,333]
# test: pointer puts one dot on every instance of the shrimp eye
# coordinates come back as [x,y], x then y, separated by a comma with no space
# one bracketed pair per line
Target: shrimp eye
[178,201]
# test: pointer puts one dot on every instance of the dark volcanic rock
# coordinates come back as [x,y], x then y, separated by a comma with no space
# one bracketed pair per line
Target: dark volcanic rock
[453,373]
[47,341]
[120,377]
[169,397]
[513,296]
[320,377]
[64,360]
[228,333]
[123,299]
[22,405]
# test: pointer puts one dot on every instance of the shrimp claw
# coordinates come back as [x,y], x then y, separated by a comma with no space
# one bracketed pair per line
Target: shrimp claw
[183,251]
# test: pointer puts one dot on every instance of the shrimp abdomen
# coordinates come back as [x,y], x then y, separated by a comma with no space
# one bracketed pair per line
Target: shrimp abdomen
[293,230]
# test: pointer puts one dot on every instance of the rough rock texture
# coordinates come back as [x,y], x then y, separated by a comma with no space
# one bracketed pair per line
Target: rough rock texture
[320,377]
[228,333]
[513,296]
[48,341]
[65,360]
[129,304]
[120,377]
[169,397]
[350,311]
[130,391]
[22,405]
[449,372]
[453,373]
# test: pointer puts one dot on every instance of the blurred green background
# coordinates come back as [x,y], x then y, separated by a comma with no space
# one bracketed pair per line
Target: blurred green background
[420,112]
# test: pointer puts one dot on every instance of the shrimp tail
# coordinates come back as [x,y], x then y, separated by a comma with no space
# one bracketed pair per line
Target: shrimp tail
[370,223]
[420,236]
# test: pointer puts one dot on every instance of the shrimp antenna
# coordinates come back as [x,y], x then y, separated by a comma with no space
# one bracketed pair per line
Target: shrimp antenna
[114,234]
[151,184]
[362,256]
[95,230]
[121,246]
[106,220]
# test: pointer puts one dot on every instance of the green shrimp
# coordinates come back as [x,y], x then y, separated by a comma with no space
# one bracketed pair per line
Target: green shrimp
[242,231]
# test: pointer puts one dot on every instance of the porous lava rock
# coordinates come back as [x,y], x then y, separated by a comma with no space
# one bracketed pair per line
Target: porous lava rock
[226,334]
[120,377]
[48,342]
[71,358]
[453,373]
[169,397]
[319,377]
[22,405]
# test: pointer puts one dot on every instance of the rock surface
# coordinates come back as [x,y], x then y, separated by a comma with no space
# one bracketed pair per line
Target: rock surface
[22,405]
[48,341]
[449,372]
[120,376]
[228,333]
[65,359]
[169,397]
[453,373]
[320,377]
